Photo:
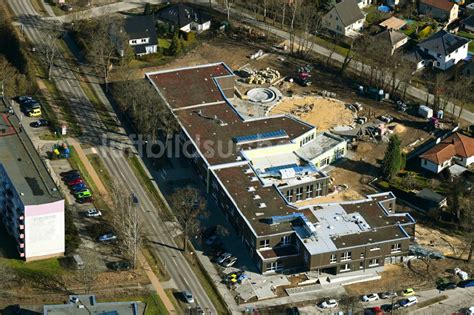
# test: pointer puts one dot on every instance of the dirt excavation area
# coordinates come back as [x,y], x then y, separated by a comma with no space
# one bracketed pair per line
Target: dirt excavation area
[448,245]
[324,113]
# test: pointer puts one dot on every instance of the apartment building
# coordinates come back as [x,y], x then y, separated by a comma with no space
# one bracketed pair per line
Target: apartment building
[266,173]
[31,208]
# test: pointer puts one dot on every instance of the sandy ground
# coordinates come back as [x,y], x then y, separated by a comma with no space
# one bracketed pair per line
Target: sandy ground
[448,245]
[322,112]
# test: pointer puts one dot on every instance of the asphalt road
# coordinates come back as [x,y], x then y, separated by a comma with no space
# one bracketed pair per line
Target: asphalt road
[35,28]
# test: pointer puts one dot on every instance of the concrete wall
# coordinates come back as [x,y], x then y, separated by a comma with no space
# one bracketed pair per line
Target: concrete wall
[44,230]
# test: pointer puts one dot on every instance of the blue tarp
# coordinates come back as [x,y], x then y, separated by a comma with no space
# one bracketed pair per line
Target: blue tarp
[383,8]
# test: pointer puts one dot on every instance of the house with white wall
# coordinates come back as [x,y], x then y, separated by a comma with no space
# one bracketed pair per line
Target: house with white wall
[441,50]
[184,17]
[141,34]
[345,18]
[455,149]
[442,10]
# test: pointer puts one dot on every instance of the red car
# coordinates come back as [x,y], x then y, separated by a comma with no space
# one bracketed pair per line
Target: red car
[74,182]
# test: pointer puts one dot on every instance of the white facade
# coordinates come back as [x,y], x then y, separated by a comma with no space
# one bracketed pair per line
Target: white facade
[150,49]
[332,22]
[444,62]
[196,27]
[433,167]
[363,3]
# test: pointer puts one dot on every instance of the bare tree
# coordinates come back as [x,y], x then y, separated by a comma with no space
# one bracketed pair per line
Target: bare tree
[88,274]
[102,48]
[128,224]
[188,206]
[48,51]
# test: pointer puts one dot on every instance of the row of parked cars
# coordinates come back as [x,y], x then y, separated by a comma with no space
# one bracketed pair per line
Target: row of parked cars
[217,249]
[29,106]
[77,186]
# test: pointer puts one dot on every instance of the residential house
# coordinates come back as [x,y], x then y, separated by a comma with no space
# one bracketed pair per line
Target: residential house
[268,178]
[345,18]
[455,149]
[141,34]
[364,3]
[431,199]
[442,10]
[441,50]
[393,23]
[391,39]
[184,17]
[468,24]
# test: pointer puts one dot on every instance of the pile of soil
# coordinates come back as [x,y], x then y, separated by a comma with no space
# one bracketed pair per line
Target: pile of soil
[324,113]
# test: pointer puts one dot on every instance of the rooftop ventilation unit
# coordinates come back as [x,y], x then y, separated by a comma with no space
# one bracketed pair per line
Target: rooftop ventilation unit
[251,189]
[254,179]
[248,171]
[256,197]
[262,205]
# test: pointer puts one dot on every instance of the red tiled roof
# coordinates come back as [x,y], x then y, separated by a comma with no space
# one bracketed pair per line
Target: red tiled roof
[454,145]
[445,5]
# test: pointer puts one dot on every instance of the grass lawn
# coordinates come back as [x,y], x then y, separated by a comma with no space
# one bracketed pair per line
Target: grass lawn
[100,168]
[77,164]
[164,43]
[375,16]
[47,267]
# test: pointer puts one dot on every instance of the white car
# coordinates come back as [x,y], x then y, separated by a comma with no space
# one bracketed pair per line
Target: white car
[93,213]
[470,311]
[188,296]
[328,304]
[223,257]
[410,301]
[370,297]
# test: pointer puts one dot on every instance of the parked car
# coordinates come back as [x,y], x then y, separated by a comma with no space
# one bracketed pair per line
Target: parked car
[470,311]
[370,297]
[223,257]
[85,200]
[328,304]
[71,172]
[408,292]
[447,286]
[79,187]
[376,310]
[391,307]
[134,198]
[188,296]
[23,99]
[93,212]
[68,178]
[410,301]
[107,237]
[466,283]
[74,182]
[211,240]
[388,295]
[66,7]
[84,194]
[229,262]
[119,265]
[39,123]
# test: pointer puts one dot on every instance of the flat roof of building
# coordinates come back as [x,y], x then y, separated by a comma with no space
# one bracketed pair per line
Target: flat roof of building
[322,143]
[87,304]
[23,165]
[352,224]
[243,185]
[215,128]
[190,86]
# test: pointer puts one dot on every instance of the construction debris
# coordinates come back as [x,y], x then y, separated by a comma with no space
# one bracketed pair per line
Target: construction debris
[263,76]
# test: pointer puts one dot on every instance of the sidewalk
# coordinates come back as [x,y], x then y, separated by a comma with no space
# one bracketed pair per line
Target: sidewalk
[156,284]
